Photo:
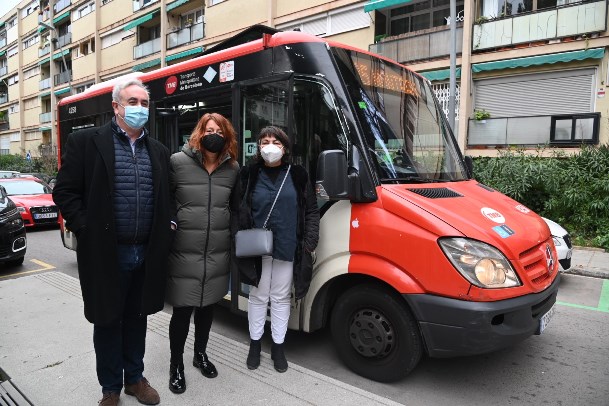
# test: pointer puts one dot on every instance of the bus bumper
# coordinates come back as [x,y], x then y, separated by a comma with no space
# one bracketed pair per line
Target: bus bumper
[452,328]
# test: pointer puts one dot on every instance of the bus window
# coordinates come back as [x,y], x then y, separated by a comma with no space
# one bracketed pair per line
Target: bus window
[262,105]
[317,126]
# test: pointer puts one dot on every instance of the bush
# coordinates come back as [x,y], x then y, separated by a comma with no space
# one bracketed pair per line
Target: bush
[571,190]
[15,162]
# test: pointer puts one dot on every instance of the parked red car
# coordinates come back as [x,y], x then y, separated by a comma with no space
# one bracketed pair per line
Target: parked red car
[33,199]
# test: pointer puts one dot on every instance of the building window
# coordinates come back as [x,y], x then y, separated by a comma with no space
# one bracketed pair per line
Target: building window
[13,79]
[420,16]
[104,2]
[31,103]
[29,9]
[33,135]
[82,88]
[85,48]
[12,51]
[83,10]
[28,42]
[11,23]
[115,38]
[214,2]
[331,23]
[194,17]
[35,71]
[503,8]
[13,108]
[575,129]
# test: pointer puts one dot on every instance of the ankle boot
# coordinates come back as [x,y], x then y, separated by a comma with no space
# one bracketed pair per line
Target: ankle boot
[277,355]
[201,361]
[253,357]
[177,381]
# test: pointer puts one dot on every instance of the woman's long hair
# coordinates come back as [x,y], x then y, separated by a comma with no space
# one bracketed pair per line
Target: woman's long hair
[230,137]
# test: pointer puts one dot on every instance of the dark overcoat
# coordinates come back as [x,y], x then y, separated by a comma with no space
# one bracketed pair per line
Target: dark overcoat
[83,193]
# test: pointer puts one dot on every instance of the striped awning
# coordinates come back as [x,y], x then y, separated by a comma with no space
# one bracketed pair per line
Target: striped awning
[45,60]
[140,20]
[62,91]
[595,53]
[61,17]
[379,4]
[183,54]
[147,64]
[60,54]
[439,75]
[175,4]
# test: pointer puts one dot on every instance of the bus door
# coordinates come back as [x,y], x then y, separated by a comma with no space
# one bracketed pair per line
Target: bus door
[165,125]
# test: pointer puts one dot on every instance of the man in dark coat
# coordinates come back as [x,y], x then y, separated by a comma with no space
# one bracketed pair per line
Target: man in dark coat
[113,191]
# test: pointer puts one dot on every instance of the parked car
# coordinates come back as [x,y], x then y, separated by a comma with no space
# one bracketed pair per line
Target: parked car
[9,174]
[33,199]
[562,241]
[13,241]
[42,176]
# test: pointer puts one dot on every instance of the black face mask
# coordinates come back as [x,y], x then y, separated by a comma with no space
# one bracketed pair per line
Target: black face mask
[213,142]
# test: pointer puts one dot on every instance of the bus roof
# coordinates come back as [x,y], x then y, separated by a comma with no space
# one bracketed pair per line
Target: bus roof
[238,45]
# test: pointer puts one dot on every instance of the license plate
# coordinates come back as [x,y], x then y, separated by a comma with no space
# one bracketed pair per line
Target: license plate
[545,319]
[45,216]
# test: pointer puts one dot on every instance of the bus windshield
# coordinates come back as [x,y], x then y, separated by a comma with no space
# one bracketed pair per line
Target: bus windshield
[403,126]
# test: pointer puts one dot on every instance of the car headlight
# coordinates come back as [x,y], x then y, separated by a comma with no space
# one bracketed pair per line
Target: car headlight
[557,241]
[16,222]
[480,263]
[21,209]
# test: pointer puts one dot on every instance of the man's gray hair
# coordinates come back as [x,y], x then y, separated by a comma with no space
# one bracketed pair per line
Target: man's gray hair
[123,84]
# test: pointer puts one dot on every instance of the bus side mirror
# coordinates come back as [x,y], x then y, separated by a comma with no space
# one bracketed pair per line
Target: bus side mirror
[3,191]
[469,166]
[332,181]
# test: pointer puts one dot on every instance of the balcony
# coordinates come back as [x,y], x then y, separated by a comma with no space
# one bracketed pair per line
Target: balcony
[3,70]
[416,47]
[44,50]
[44,84]
[46,117]
[2,42]
[4,125]
[3,98]
[564,21]
[557,130]
[61,4]
[64,39]
[185,35]
[63,77]
[147,48]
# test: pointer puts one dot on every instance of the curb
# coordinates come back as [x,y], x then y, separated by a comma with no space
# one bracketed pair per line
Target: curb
[587,272]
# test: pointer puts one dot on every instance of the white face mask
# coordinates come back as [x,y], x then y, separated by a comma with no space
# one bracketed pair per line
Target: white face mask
[271,153]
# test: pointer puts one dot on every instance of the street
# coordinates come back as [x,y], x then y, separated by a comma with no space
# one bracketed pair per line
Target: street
[567,365]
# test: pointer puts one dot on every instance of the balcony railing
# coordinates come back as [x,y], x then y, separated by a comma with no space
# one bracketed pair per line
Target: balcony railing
[147,48]
[564,21]
[3,98]
[63,77]
[64,39]
[61,4]
[4,125]
[417,47]
[2,42]
[44,50]
[3,70]
[574,129]
[44,84]
[46,117]
[185,35]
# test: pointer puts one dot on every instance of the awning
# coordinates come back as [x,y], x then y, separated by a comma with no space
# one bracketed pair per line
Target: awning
[44,129]
[45,60]
[41,28]
[2,53]
[62,91]
[378,4]
[60,54]
[596,53]
[45,94]
[442,74]
[175,4]
[140,20]
[182,54]
[146,65]
[61,17]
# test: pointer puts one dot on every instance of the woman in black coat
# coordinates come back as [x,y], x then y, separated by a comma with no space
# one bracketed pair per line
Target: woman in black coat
[294,220]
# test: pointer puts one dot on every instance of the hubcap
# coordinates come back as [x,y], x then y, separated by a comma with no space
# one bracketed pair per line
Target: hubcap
[371,334]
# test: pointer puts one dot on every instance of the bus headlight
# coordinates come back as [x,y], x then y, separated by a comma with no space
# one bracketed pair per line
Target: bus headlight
[481,264]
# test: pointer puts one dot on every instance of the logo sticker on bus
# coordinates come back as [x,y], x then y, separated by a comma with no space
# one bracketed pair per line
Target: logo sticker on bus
[504,231]
[210,74]
[171,84]
[227,71]
[492,215]
[523,209]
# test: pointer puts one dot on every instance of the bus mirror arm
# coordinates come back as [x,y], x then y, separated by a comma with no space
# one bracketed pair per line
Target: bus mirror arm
[469,166]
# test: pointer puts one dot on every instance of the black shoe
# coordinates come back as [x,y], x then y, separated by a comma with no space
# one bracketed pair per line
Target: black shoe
[277,355]
[253,357]
[207,368]
[177,381]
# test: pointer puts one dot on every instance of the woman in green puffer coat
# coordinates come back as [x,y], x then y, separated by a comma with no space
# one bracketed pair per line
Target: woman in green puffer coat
[202,180]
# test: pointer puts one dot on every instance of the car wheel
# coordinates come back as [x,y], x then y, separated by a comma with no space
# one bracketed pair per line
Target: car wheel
[16,262]
[375,334]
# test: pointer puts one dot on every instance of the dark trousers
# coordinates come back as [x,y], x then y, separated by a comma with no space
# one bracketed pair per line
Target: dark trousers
[178,330]
[120,346]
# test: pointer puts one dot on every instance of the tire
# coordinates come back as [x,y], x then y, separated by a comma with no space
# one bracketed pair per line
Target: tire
[375,334]
[16,262]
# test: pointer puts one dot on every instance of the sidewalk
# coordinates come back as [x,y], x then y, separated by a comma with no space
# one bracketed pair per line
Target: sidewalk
[46,349]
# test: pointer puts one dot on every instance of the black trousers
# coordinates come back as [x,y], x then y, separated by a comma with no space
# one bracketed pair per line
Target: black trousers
[178,330]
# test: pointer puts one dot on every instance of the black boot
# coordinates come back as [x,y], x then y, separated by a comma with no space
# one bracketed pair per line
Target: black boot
[177,381]
[277,355]
[253,357]
[207,368]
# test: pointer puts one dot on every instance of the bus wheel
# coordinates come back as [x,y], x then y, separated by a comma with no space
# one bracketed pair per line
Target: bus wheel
[375,334]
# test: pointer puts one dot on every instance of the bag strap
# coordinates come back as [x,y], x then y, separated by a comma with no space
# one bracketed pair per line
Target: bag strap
[276,197]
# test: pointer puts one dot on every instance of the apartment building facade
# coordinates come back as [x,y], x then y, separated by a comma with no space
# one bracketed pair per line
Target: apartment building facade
[539,68]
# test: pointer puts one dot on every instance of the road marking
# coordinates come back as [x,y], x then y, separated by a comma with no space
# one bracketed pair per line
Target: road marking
[603,301]
[44,265]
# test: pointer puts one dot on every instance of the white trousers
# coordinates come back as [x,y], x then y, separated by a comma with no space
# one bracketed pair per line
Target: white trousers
[275,286]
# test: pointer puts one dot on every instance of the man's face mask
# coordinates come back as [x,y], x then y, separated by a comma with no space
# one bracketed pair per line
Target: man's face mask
[135,116]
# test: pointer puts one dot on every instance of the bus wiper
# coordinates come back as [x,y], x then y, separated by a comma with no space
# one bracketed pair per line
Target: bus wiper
[415,179]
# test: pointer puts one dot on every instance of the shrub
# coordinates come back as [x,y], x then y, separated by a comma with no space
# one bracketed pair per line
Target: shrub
[571,190]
